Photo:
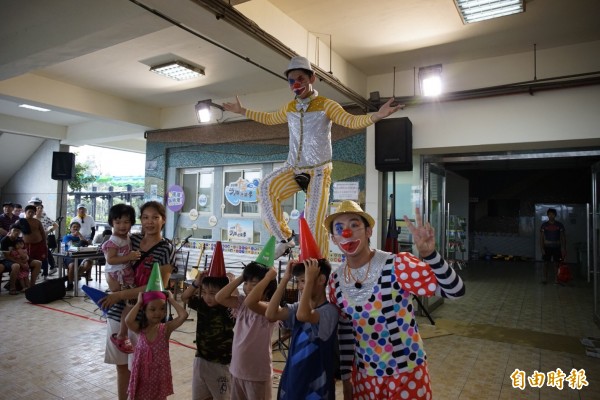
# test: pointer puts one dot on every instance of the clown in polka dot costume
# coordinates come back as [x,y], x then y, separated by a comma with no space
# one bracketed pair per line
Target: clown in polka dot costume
[381,350]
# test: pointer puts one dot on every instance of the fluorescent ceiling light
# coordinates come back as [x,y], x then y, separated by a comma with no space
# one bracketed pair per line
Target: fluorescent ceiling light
[430,80]
[178,70]
[480,10]
[30,107]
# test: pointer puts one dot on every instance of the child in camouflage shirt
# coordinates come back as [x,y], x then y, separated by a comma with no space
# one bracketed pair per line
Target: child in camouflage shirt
[214,335]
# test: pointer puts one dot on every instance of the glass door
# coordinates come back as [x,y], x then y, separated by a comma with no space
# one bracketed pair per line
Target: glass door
[436,212]
[595,268]
[435,207]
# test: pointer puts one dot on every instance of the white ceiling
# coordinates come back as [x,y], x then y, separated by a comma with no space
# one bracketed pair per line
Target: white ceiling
[89,61]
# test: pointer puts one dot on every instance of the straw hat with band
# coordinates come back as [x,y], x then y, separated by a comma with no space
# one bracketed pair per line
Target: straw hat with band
[348,207]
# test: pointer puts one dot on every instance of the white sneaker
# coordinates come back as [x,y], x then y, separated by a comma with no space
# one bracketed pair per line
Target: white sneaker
[283,248]
[53,271]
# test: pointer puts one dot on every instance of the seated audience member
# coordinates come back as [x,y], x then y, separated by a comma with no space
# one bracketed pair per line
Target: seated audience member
[88,226]
[7,218]
[35,239]
[49,227]
[18,210]
[75,238]
[19,253]
[102,237]
[11,264]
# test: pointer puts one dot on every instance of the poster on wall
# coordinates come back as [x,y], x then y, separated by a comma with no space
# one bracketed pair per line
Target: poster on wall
[175,198]
[241,191]
[240,230]
[345,190]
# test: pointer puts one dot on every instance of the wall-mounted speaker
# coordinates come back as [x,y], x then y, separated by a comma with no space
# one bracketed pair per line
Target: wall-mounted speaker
[63,166]
[393,145]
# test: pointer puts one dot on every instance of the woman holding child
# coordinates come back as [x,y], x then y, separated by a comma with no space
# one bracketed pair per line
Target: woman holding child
[154,248]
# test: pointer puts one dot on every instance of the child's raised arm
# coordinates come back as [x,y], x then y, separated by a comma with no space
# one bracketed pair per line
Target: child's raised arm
[225,295]
[112,257]
[305,311]
[182,315]
[274,312]
[189,292]
[132,324]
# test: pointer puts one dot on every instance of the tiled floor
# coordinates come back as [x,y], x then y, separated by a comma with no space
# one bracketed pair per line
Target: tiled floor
[507,321]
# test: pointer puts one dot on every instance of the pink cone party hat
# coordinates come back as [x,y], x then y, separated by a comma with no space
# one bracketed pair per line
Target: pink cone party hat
[308,245]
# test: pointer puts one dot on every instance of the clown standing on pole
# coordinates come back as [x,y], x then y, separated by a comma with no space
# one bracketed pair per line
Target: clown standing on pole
[308,166]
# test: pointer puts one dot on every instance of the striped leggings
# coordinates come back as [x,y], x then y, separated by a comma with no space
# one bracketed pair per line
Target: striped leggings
[280,185]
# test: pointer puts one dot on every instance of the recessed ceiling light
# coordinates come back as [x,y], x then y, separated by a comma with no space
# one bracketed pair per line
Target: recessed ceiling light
[178,70]
[480,10]
[34,108]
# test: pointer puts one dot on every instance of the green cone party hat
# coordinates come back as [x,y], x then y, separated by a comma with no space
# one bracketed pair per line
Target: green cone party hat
[267,255]
[155,283]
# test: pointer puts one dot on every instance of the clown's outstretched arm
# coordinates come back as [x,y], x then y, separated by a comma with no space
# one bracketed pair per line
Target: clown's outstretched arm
[235,107]
[386,110]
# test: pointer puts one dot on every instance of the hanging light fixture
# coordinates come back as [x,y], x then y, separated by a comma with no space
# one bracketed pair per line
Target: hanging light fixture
[430,80]
[203,110]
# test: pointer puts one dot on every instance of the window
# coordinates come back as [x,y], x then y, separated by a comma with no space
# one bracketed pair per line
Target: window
[198,188]
[239,191]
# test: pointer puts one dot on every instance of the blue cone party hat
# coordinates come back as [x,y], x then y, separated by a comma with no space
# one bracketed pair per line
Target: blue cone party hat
[95,294]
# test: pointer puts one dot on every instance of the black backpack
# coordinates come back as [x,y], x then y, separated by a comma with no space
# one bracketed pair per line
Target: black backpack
[47,291]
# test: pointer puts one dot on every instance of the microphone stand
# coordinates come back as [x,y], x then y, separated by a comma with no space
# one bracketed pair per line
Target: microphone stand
[185,241]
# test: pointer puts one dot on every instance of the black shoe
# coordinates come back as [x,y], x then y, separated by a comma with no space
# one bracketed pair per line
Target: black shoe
[69,287]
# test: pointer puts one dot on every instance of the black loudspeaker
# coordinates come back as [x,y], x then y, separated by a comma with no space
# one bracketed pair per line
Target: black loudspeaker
[393,145]
[47,291]
[63,166]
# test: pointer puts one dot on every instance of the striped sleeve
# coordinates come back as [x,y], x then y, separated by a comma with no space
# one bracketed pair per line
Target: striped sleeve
[268,118]
[450,285]
[339,116]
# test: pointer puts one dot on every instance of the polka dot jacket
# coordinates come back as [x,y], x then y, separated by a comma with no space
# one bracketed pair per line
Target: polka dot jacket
[378,331]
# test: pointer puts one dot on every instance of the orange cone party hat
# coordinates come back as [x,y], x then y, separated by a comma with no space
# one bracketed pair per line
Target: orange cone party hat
[308,245]
[217,264]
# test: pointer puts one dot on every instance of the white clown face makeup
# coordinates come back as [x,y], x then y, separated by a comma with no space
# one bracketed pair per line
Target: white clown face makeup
[300,83]
[350,234]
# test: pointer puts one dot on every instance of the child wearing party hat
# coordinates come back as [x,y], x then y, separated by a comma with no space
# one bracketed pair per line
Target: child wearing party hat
[151,377]
[251,361]
[214,332]
[310,368]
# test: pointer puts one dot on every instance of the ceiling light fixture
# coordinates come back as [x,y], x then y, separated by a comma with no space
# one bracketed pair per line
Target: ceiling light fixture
[480,10]
[178,70]
[30,107]
[203,110]
[430,80]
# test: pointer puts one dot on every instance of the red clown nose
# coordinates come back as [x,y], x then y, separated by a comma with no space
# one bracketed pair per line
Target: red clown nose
[347,233]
